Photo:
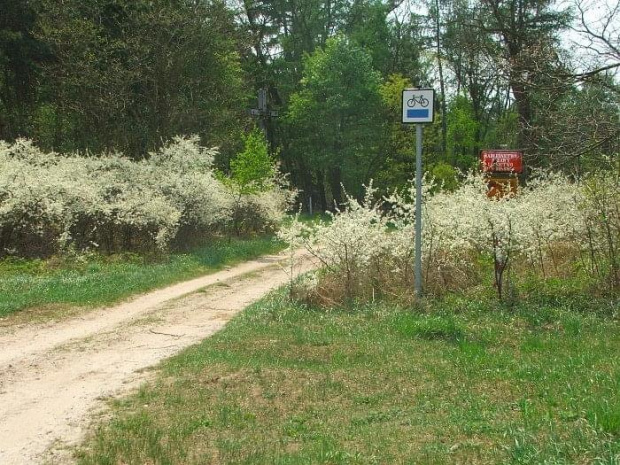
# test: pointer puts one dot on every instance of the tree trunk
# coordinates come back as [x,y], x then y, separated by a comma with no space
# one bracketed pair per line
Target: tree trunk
[335,178]
[442,84]
[321,190]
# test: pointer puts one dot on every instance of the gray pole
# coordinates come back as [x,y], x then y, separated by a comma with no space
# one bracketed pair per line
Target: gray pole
[418,212]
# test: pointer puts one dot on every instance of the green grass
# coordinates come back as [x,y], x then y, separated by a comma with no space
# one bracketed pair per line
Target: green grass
[461,382]
[97,280]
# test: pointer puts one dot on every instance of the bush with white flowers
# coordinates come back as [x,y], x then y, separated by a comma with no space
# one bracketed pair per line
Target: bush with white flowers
[51,201]
[367,248]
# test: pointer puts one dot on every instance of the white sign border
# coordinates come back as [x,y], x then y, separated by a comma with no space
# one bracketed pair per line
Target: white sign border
[425,93]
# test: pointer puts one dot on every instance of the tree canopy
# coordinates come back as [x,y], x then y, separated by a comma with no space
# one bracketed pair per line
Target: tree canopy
[120,75]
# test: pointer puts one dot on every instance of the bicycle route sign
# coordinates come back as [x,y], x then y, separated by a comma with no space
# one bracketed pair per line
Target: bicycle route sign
[418,105]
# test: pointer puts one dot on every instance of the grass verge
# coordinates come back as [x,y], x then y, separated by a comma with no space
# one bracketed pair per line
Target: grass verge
[96,280]
[463,382]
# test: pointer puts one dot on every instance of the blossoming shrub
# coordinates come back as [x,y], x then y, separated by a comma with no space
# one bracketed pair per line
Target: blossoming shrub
[260,211]
[353,246]
[51,201]
[551,227]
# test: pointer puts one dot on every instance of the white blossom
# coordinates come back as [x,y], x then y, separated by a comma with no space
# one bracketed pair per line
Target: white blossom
[551,211]
[70,198]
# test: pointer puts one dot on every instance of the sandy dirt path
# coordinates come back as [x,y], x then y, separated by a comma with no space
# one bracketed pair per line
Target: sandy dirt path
[55,376]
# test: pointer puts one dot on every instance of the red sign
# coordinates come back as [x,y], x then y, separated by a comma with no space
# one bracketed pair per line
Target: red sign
[502,161]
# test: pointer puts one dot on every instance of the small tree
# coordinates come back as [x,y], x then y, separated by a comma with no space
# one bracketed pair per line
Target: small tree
[252,172]
[254,169]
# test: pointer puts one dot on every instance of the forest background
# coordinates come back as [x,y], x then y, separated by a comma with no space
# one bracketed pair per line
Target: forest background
[128,75]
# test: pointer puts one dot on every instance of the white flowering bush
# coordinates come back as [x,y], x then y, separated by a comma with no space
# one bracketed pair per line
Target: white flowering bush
[264,210]
[356,247]
[49,201]
[553,226]
[550,215]
[182,172]
[447,254]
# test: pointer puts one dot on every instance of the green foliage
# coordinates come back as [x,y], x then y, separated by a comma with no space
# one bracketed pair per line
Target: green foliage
[445,176]
[21,54]
[583,122]
[398,151]
[367,26]
[335,115]
[257,189]
[504,131]
[463,131]
[140,72]
[253,169]
[527,36]
[391,91]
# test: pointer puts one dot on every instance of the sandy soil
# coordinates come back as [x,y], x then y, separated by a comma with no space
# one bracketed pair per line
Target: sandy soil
[55,376]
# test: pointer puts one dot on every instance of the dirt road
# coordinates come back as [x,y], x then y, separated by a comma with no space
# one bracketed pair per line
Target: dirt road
[54,377]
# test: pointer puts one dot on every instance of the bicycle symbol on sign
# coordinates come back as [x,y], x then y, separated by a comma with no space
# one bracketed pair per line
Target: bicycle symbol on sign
[418,100]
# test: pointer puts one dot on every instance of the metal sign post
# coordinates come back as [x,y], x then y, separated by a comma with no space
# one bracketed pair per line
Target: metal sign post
[418,108]
[418,211]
